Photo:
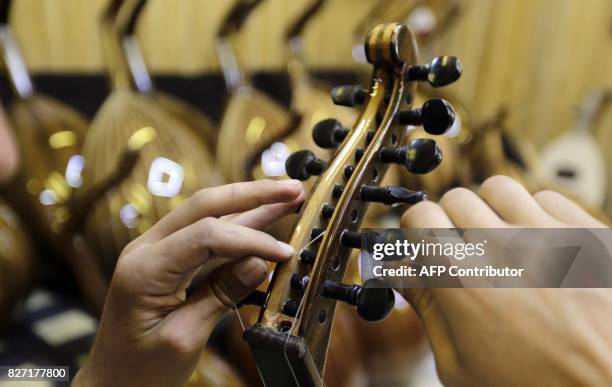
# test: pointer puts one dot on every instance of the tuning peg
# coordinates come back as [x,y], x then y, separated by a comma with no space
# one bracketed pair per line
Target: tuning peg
[327,211]
[303,164]
[316,232]
[299,282]
[353,239]
[359,154]
[290,308]
[348,171]
[421,156]
[307,257]
[369,239]
[373,302]
[349,95]
[337,191]
[442,71]
[329,133]
[391,195]
[437,116]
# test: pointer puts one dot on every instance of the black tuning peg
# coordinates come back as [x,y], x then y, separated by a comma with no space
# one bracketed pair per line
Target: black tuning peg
[307,257]
[368,239]
[351,239]
[350,95]
[337,192]
[329,133]
[391,195]
[316,232]
[421,156]
[303,164]
[327,210]
[290,308]
[373,301]
[299,282]
[442,71]
[354,239]
[437,116]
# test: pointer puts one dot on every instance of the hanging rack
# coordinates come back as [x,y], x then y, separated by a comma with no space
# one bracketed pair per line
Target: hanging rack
[118,19]
[12,55]
[235,78]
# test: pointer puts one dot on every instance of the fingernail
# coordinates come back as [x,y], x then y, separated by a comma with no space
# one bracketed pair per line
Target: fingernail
[287,249]
[290,182]
[251,272]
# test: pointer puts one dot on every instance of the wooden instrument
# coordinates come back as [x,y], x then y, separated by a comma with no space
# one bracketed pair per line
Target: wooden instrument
[456,170]
[50,137]
[194,119]
[313,105]
[291,337]
[16,263]
[310,100]
[252,121]
[575,160]
[427,18]
[166,160]
[310,97]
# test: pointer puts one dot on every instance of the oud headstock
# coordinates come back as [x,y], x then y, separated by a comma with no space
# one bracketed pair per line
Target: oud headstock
[291,336]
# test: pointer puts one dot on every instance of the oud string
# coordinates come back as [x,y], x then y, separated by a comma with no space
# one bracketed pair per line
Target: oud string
[299,309]
[242,325]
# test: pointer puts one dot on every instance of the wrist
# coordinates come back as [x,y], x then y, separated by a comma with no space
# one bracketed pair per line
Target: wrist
[81,379]
[86,377]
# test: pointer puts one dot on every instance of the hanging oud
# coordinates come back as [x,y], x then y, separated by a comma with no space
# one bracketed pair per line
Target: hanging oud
[252,121]
[291,337]
[169,161]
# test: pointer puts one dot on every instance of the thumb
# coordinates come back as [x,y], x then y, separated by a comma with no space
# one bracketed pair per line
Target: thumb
[226,285]
[234,281]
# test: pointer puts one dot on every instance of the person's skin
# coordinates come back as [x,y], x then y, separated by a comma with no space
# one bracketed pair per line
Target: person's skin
[9,157]
[513,337]
[150,333]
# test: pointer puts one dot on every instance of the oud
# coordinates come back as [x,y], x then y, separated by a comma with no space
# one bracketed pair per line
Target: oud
[291,337]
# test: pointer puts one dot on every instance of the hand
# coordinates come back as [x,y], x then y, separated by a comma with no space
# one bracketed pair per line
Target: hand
[150,333]
[513,337]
